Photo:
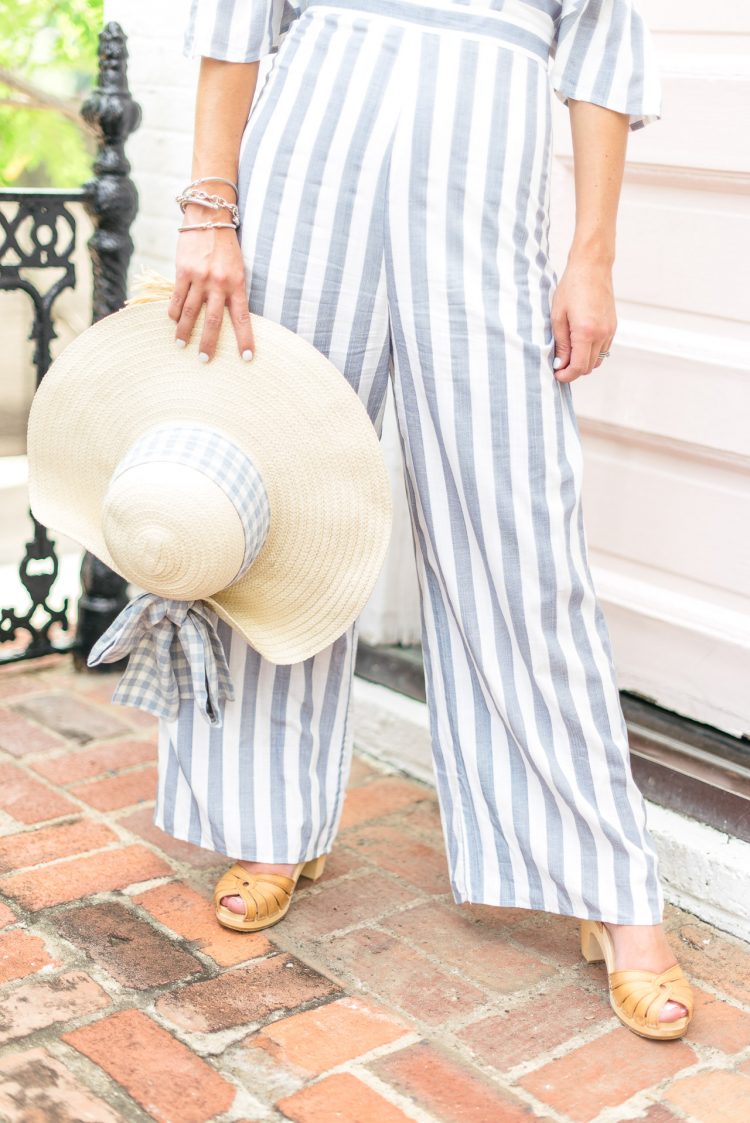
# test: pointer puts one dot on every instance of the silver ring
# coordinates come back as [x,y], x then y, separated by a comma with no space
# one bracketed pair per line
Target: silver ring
[604,354]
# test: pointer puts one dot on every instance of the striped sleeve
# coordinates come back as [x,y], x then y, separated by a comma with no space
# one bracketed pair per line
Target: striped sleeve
[603,53]
[236,30]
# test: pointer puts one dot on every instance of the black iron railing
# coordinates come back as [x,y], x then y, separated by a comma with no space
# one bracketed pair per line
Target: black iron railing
[38,230]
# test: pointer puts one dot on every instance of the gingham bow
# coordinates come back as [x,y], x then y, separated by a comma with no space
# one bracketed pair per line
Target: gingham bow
[175,652]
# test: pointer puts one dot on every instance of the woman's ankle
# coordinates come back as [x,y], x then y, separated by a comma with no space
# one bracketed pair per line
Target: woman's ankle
[267,867]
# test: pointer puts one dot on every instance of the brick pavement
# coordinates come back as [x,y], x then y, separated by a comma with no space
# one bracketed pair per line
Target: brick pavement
[376,1000]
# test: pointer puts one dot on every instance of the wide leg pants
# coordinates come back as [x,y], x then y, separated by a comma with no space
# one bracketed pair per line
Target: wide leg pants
[394,193]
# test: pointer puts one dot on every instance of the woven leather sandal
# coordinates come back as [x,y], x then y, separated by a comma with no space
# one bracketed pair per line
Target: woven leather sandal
[267,895]
[638,997]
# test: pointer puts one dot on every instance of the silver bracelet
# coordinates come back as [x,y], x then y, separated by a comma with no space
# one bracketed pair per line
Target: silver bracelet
[202,196]
[215,179]
[208,226]
[215,202]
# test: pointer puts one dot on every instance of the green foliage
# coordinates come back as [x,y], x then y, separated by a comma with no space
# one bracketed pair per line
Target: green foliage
[53,47]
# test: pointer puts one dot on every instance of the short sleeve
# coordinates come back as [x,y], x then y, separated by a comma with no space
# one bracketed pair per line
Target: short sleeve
[236,30]
[604,53]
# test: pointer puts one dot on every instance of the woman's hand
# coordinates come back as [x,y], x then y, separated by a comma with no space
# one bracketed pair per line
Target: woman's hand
[584,320]
[583,305]
[210,269]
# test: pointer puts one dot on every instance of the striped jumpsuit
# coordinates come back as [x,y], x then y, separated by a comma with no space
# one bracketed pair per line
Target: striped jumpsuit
[394,179]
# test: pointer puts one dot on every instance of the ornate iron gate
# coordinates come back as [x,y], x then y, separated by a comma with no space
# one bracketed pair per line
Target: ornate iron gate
[38,231]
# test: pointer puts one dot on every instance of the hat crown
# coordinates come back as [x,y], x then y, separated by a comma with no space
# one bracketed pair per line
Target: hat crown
[186,511]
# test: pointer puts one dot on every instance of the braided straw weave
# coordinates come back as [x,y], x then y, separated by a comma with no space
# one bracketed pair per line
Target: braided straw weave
[292,410]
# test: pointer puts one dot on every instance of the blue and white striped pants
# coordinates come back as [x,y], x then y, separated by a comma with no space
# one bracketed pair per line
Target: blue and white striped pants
[394,188]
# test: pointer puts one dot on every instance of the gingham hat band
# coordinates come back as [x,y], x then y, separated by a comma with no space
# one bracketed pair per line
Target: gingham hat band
[222,461]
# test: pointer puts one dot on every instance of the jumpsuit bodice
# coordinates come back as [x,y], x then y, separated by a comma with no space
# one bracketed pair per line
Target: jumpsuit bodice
[599,51]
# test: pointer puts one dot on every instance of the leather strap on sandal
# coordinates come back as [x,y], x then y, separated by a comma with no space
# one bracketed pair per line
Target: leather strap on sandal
[263,893]
[641,995]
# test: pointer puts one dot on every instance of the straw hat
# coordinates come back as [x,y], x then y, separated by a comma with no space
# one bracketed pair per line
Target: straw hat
[256,491]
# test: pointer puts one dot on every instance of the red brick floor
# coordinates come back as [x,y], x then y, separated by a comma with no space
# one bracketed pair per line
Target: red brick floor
[377,999]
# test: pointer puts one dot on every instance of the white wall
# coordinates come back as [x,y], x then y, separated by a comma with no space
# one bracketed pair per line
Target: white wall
[664,420]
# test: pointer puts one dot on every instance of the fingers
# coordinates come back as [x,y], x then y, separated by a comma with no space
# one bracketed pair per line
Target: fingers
[581,350]
[186,312]
[575,350]
[580,359]
[179,294]
[605,346]
[215,304]
[240,313]
[215,290]
[561,330]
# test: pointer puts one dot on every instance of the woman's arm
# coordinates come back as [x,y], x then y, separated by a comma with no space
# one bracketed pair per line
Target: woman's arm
[209,265]
[583,306]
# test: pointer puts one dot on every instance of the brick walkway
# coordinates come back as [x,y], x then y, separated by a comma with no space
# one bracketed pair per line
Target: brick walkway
[377,999]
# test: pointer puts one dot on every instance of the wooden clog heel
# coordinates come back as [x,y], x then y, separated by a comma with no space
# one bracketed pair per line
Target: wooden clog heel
[638,997]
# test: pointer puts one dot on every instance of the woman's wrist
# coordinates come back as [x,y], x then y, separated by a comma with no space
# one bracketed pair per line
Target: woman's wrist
[592,247]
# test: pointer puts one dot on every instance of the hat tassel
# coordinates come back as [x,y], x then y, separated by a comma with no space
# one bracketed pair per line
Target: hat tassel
[150,285]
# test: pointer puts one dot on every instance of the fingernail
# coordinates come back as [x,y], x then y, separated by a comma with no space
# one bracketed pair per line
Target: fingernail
[179,342]
[247,355]
[557,363]
[203,356]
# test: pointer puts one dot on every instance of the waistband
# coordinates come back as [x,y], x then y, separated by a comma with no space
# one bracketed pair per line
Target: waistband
[518,25]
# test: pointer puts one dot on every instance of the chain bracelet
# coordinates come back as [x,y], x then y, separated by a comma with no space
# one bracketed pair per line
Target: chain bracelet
[215,202]
[189,193]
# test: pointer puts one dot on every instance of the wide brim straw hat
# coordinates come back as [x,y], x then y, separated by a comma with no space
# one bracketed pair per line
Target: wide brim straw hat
[290,409]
